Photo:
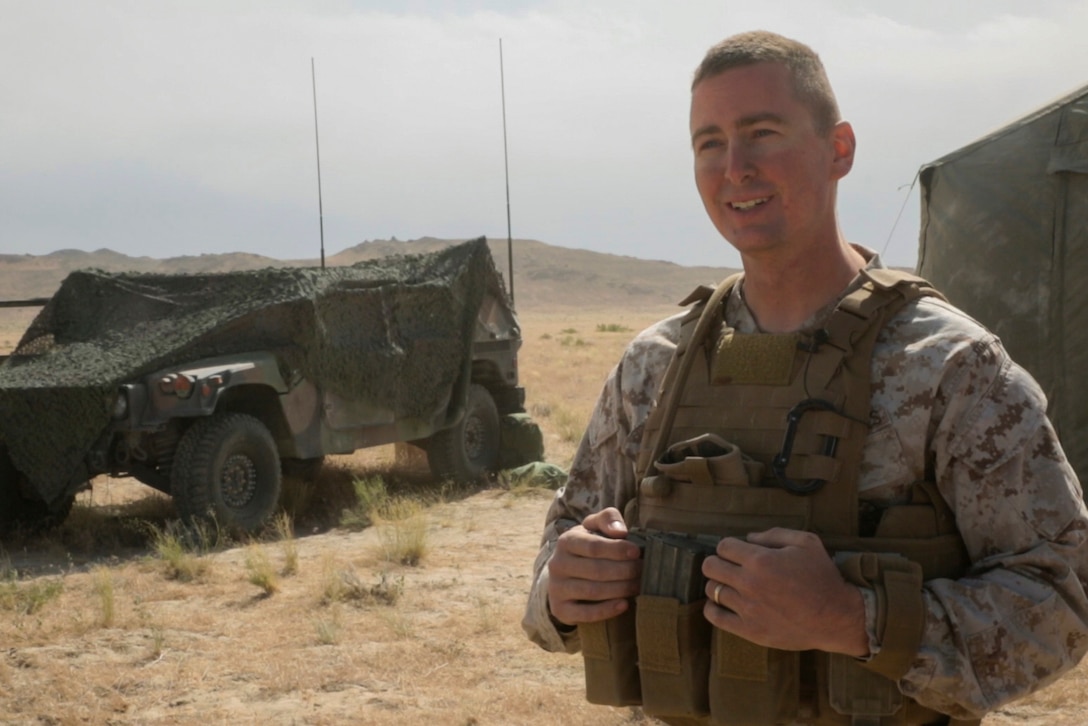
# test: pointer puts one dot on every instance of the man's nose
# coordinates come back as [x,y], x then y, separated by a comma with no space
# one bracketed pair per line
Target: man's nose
[739,166]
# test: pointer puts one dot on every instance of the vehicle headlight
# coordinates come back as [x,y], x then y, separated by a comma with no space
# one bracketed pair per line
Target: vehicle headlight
[120,405]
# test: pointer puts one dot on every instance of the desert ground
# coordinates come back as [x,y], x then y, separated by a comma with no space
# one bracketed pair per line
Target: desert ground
[325,620]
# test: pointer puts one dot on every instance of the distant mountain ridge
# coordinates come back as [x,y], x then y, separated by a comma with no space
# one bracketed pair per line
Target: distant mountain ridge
[545,276]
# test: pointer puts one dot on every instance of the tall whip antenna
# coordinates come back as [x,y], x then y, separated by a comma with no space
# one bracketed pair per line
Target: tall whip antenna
[317,143]
[506,166]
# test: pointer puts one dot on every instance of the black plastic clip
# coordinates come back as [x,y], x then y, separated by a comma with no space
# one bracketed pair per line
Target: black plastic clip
[782,459]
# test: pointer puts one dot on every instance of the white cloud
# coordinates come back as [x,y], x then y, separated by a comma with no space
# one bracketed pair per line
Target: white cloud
[145,126]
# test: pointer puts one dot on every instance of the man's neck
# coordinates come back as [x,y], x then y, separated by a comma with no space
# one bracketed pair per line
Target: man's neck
[784,294]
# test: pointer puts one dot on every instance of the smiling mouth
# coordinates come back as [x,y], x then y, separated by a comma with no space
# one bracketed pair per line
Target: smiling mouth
[750,204]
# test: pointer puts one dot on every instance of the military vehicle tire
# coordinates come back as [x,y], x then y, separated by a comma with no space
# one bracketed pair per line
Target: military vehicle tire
[227,468]
[470,449]
[19,513]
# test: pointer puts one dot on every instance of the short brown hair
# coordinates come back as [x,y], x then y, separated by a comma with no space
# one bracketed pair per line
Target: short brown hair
[760,46]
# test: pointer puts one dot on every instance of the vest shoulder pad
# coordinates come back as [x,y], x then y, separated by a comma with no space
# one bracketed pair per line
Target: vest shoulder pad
[699,295]
[698,298]
[910,285]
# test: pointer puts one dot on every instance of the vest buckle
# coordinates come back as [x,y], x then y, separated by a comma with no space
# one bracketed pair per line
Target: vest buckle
[782,458]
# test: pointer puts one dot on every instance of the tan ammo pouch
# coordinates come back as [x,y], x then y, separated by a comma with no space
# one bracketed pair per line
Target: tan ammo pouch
[868,690]
[751,685]
[673,656]
[709,460]
[702,485]
[611,660]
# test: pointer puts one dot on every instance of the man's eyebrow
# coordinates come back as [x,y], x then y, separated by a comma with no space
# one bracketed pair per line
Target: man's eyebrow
[743,122]
[759,118]
[707,130]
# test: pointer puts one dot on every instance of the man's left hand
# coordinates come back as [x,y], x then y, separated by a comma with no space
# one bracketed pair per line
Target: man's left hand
[780,589]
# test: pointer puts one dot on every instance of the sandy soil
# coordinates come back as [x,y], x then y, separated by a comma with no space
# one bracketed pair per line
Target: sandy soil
[219,650]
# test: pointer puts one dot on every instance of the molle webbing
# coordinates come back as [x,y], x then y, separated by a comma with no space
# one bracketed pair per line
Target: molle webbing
[829,368]
[752,431]
[661,416]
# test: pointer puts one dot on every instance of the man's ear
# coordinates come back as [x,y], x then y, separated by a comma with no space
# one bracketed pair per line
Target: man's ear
[843,145]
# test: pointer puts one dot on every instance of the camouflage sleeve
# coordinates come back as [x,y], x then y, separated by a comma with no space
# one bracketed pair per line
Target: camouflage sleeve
[603,471]
[1019,618]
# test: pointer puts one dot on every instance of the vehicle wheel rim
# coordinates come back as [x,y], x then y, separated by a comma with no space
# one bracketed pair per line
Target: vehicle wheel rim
[474,438]
[239,481]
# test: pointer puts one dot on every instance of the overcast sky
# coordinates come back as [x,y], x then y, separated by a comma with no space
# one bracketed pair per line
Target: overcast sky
[185,127]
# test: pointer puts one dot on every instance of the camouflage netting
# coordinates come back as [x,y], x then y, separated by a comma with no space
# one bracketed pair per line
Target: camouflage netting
[395,332]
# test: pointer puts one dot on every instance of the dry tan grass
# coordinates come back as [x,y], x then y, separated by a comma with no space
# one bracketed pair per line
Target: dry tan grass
[13,321]
[349,635]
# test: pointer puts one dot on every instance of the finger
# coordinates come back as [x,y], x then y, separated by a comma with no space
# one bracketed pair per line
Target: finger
[736,550]
[608,522]
[719,593]
[783,537]
[567,562]
[726,573]
[579,542]
[573,612]
[722,617]
[577,589]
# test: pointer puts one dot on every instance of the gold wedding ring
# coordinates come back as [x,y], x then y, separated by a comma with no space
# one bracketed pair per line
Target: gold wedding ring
[717,590]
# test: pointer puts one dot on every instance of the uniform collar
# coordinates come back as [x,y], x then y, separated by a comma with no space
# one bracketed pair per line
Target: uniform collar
[739,317]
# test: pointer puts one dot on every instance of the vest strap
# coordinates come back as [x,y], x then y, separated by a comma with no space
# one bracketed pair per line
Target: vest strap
[900,610]
[662,414]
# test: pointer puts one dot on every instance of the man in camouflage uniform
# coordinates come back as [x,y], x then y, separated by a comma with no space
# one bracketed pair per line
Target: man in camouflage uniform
[947,404]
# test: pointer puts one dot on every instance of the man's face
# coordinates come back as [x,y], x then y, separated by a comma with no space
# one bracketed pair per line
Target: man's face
[766,177]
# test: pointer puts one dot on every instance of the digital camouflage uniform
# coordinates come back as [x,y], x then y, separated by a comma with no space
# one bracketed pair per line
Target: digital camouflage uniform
[949,405]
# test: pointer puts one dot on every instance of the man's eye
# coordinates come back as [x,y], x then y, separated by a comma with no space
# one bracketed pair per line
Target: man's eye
[710,144]
[759,133]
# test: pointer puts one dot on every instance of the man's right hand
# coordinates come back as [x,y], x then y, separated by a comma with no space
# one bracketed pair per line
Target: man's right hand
[593,570]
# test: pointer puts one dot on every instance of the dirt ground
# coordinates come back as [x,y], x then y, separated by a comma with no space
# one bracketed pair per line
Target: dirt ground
[219,650]
[95,628]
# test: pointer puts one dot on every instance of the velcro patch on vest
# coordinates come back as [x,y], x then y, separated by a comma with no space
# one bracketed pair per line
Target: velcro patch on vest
[740,658]
[754,358]
[595,642]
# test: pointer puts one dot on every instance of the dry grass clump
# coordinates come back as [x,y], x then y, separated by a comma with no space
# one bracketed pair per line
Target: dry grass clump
[371,495]
[402,528]
[260,570]
[182,549]
[104,592]
[341,584]
[28,598]
[285,532]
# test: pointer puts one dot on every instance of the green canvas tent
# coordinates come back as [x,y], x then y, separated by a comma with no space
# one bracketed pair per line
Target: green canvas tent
[1004,234]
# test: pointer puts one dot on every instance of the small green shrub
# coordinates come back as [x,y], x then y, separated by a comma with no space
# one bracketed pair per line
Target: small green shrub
[29,598]
[371,495]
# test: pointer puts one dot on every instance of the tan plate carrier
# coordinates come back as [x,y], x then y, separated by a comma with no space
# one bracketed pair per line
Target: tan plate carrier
[754,431]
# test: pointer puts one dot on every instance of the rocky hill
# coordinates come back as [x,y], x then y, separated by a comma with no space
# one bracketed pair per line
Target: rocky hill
[545,276]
